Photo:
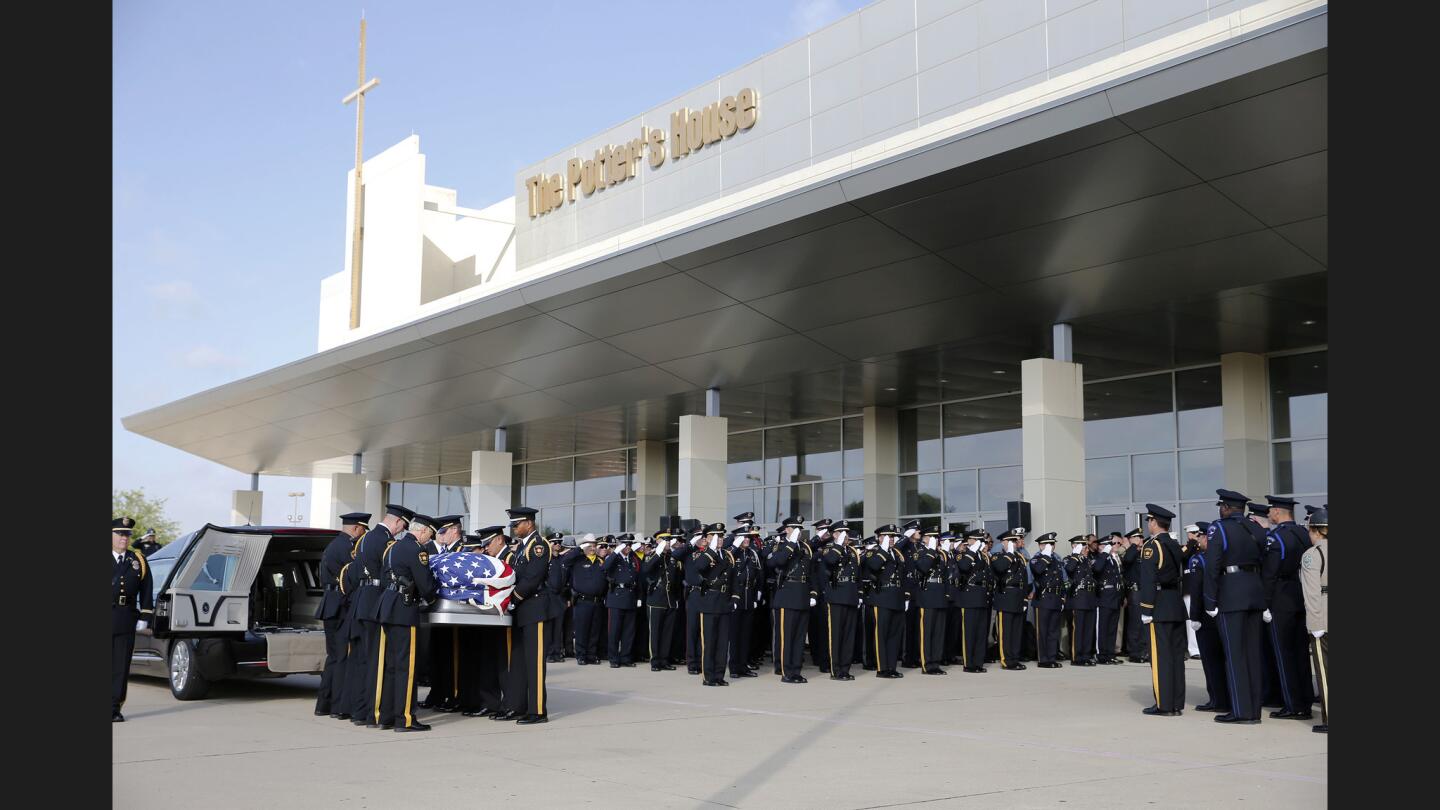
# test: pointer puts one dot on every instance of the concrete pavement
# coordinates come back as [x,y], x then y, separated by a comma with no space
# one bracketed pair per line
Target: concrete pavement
[632,738]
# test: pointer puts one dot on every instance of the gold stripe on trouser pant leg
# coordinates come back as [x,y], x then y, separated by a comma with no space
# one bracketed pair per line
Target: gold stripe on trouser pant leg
[650,637]
[1324,683]
[782,643]
[507,645]
[1073,625]
[410,682]
[1000,628]
[703,673]
[964,656]
[380,675]
[830,634]
[1154,665]
[455,668]
[540,669]
[923,665]
[877,638]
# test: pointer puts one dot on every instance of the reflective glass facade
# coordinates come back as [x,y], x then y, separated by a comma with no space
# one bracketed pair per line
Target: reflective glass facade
[1299,426]
[814,470]
[960,461]
[594,492]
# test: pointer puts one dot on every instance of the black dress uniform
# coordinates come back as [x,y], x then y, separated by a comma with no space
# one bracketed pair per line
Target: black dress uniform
[131,601]
[442,644]
[953,624]
[1011,587]
[408,583]
[622,600]
[746,585]
[557,583]
[972,597]
[818,640]
[987,573]
[1049,602]
[840,573]
[868,653]
[1234,590]
[1135,644]
[531,563]
[368,633]
[690,598]
[331,613]
[147,544]
[1082,601]
[662,585]
[482,654]
[1207,636]
[794,595]
[886,601]
[910,648]
[931,568]
[1280,573]
[1162,603]
[715,568]
[587,589]
[1112,597]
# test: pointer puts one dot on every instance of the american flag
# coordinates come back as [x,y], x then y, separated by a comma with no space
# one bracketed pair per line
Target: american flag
[468,576]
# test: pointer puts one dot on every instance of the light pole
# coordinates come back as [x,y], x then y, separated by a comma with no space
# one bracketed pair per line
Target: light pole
[295,517]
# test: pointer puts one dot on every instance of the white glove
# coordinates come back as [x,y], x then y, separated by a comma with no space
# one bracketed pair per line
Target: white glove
[931,543]
[1213,613]
[1146,619]
[1316,634]
[695,542]
[885,542]
[638,603]
[756,605]
[1010,546]
[624,547]
[1266,616]
[142,624]
[947,545]
[907,604]
[862,604]
[812,601]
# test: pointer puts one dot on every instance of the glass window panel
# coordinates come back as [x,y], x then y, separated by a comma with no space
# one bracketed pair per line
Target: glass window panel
[617,517]
[920,447]
[1300,467]
[920,494]
[739,500]
[997,528]
[1298,401]
[630,525]
[549,482]
[796,500]
[517,485]
[1107,480]
[1194,512]
[854,441]
[1105,524]
[854,499]
[998,486]
[591,517]
[745,466]
[557,519]
[829,501]
[803,453]
[454,500]
[1201,472]
[780,461]
[422,496]
[770,508]
[962,492]
[672,468]
[1197,400]
[982,433]
[1154,478]
[601,477]
[1126,416]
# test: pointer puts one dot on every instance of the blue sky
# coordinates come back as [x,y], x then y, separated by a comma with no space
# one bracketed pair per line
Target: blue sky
[230,148]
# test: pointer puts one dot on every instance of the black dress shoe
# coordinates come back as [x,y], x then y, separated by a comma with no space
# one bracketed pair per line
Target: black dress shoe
[693,671]
[360,721]
[1155,710]
[992,660]
[504,715]
[792,679]
[614,664]
[117,717]
[532,719]
[847,677]
[1323,728]
[425,704]
[667,666]
[415,726]
[1230,718]
[388,726]
[1049,665]
[1016,667]
[708,682]
[974,669]
[744,674]
[319,713]
[447,707]
[1083,664]
[1286,714]
[933,671]
[481,712]
[340,717]
[1207,707]
[910,666]
[555,659]
[629,664]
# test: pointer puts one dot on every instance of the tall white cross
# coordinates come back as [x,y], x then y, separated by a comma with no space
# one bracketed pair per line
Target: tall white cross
[358,96]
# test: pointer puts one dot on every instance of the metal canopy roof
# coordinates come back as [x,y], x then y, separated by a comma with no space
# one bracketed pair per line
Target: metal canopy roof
[1171,218]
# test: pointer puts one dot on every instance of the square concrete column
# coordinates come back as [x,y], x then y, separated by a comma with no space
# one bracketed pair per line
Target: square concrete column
[1052,439]
[490,483]
[245,507]
[880,432]
[1245,420]
[347,494]
[649,486]
[704,452]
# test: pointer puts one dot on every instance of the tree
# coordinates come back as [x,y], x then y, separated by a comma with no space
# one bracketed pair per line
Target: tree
[149,513]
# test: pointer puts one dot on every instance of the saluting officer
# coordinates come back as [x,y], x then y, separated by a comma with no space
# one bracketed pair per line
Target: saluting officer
[886,566]
[622,600]
[1235,596]
[131,606]
[952,543]
[794,596]
[1049,600]
[1009,600]
[147,544]
[531,562]
[1083,599]
[1285,608]
[365,615]
[931,565]
[558,584]
[1163,610]
[1207,634]
[443,645]
[483,654]
[819,640]
[587,586]
[1315,580]
[908,544]
[972,597]
[408,586]
[714,567]
[745,587]
[662,585]
[1113,592]
[331,613]
[840,572]
[1130,566]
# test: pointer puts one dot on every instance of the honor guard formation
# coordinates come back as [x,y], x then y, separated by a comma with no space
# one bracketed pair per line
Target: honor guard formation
[720,600]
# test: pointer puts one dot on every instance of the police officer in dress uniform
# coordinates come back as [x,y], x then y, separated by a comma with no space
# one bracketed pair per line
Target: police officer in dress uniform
[1009,600]
[148,544]
[930,564]
[1234,595]
[887,600]
[819,640]
[1135,643]
[746,584]
[691,592]
[622,599]
[714,567]
[952,543]
[908,544]
[365,615]
[795,594]
[1285,608]
[1163,611]
[443,644]
[1207,633]
[840,573]
[972,597]
[987,573]
[331,613]
[587,588]
[1082,599]
[1315,583]
[1108,573]
[131,607]
[531,562]
[409,587]
[1049,600]
[556,583]
[866,627]
[482,649]
[662,586]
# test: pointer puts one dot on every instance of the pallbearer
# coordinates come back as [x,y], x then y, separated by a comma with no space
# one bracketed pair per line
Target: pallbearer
[331,699]
[531,562]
